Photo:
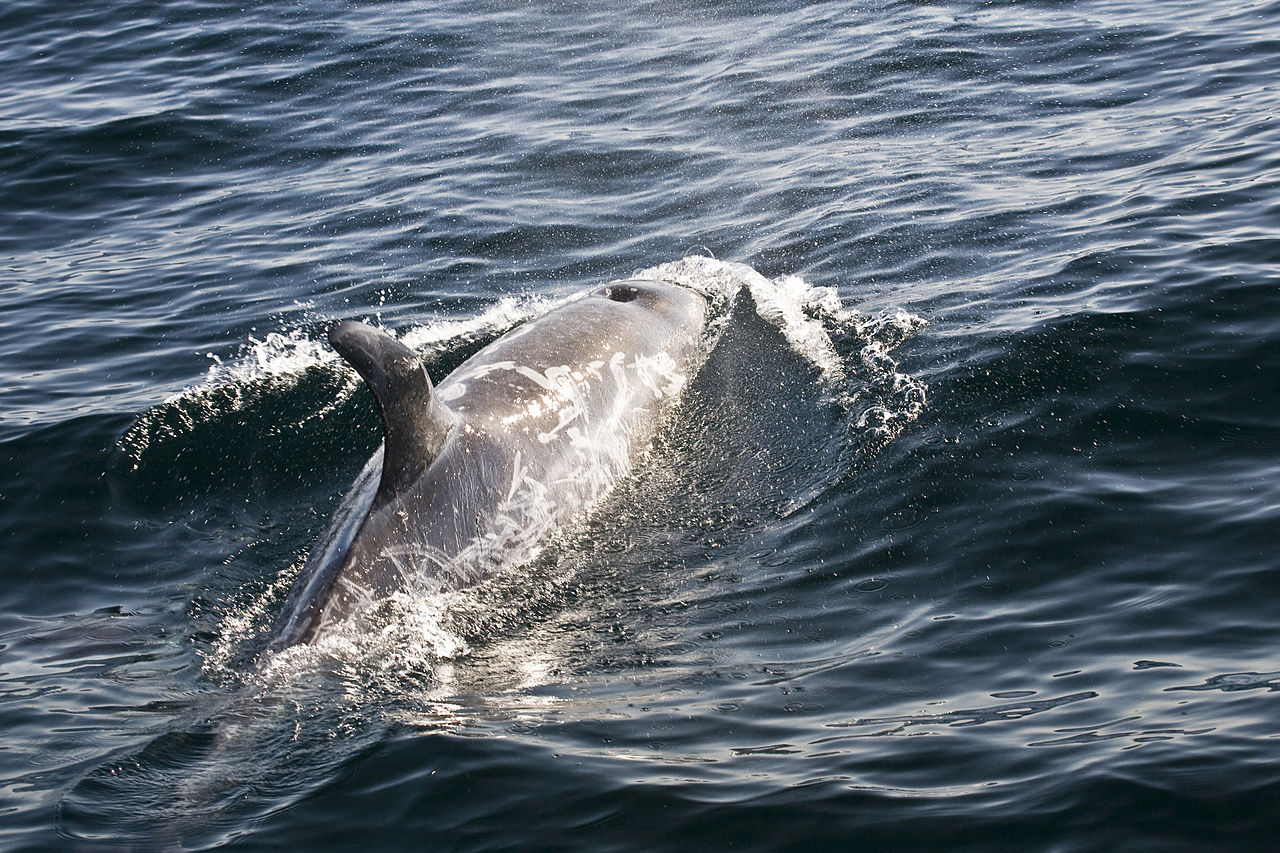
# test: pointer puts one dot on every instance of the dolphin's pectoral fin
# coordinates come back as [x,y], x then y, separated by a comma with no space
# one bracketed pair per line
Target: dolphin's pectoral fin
[415,423]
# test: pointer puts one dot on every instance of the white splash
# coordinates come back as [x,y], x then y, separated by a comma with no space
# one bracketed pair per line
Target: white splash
[506,313]
[275,364]
[278,357]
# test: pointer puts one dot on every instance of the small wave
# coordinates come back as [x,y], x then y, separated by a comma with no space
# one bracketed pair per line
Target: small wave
[274,367]
[267,367]
[849,349]
[967,716]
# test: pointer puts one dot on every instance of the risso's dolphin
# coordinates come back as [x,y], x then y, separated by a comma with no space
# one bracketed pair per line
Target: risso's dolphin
[521,437]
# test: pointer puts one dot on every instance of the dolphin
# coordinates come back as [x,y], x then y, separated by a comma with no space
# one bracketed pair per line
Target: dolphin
[473,473]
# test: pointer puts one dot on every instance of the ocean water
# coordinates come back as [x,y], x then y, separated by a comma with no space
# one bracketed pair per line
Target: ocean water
[965,537]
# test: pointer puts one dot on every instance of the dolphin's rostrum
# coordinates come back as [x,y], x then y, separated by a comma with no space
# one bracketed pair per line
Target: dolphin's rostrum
[474,473]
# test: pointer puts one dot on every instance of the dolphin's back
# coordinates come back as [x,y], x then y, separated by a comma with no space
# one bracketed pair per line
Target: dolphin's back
[518,439]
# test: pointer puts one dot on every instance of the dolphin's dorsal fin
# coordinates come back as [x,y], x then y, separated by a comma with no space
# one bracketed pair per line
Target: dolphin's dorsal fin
[415,423]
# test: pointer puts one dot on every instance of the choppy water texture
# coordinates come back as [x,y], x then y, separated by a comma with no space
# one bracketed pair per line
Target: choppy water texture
[965,536]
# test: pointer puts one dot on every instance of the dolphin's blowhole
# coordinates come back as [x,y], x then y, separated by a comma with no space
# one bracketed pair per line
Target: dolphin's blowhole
[622,292]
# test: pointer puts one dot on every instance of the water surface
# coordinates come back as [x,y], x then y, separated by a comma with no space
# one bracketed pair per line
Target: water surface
[977,549]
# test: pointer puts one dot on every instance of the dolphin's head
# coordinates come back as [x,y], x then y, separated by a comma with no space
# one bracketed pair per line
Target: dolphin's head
[678,306]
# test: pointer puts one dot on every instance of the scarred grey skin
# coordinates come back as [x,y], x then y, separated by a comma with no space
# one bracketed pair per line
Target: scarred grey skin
[523,436]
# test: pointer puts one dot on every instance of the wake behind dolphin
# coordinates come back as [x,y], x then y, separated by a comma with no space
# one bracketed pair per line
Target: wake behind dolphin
[473,474]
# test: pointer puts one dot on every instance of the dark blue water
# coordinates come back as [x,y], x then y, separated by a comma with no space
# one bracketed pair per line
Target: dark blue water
[975,548]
